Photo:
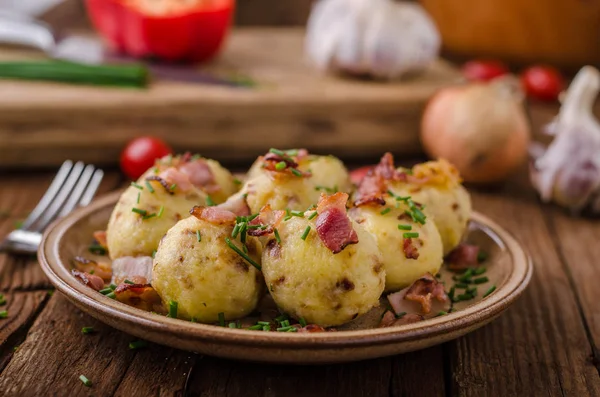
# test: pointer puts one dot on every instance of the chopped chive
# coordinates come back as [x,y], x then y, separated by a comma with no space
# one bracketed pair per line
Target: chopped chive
[282,318]
[111,295]
[464,297]
[210,202]
[172,187]
[243,231]
[192,319]
[139,211]
[287,218]
[297,213]
[410,235]
[153,254]
[292,329]
[137,344]
[489,291]
[481,256]
[149,186]
[302,321]
[2,300]
[461,285]
[149,216]
[466,277]
[236,230]
[195,157]
[97,249]
[280,166]
[441,313]
[172,309]
[85,381]
[256,327]
[222,319]
[296,172]
[161,211]
[312,216]
[232,324]
[404,227]
[4,314]
[198,235]
[237,181]
[128,282]
[285,329]
[92,271]
[277,152]
[472,291]
[113,286]
[305,234]
[481,280]
[451,293]
[479,270]
[137,186]
[285,323]
[252,217]
[400,315]
[106,291]
[385,211]
[263,323]
[155,170]
[138,198]
[266,328]
[277,236]
[242,254]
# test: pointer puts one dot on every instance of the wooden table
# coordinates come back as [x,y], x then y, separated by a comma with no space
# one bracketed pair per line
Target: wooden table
[547,344]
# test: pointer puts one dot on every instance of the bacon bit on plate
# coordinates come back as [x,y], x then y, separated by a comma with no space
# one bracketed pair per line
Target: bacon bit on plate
[236,204]
[333,225]
[424,290]
[216,215]
[135,269]
[102,270]
[141,296]
[390,320]
[91,280]
[100,237]
[312,328]
[374,185]
[463,257]
[268,218]
[410,250]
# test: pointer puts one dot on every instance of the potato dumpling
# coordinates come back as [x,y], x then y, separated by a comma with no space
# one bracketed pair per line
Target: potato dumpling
[436,185]
[307,280]
[280,191]
[405,259]
[206,277]
[132,233]
[328,173]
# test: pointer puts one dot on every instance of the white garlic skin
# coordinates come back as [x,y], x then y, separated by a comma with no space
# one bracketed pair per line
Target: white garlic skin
[381,38]
[568,172]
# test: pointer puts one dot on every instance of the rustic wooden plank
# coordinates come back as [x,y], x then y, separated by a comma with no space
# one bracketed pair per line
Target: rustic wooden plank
[420,373]
[577,239]
[272,12]
[56,353]
[539,347]
[22,307]
[18,196]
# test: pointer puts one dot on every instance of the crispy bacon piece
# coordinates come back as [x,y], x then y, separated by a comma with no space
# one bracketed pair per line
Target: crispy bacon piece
[91,280]
[374,185]
[216,215]
[200,175]
[312,328]
[410,250]
[463,257]
[390,320]
[423,296]
[333,225]
[268,218]
[164,183]
[135,269]
[173,176]
[141,296]
[102,269]
[236,204]
[100,237]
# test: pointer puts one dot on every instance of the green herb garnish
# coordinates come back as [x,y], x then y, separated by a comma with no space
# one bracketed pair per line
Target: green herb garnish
[198,236]
[481,280]
[137,186]
[172,309]
[85,381]
[281,165]
[312,216]
[296,172]
[305,234]
[149,186]
[4,314]
[161,211]
[385,211]
[222,319]
[137,344]
[302,321]
[404,227]
[210,202]
[242,254]
[276,232]
[489,291]
[128,282]
[139,211]
[410,235]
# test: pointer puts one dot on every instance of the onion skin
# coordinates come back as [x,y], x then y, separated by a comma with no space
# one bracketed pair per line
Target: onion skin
[480,128]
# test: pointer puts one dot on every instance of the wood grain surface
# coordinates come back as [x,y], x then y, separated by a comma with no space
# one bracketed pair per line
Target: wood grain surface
[546,344]
[293,105]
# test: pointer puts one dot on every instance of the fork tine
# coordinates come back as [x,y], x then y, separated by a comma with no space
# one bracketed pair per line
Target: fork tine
[48,197]
[77,191]
[92,187]
[53,210]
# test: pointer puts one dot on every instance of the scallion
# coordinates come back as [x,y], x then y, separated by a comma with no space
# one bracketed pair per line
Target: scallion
[276,232]
[221,319]
[149,186]
[404,227]
[85,380]
[161,211]
[489,291]
[139,211]
[302,321]
[137,186]
[296,172]
[280,166]
[481,280]
[313,215]
[305,234]
[385,211]
[172,309]
[410,235]
[128,282]
[198,236]
[242,254]
[4,314]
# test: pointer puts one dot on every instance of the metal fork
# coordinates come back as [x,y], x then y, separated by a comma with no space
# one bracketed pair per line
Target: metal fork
[73,185]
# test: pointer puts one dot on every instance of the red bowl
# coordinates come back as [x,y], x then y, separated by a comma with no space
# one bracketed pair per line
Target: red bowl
[194,35]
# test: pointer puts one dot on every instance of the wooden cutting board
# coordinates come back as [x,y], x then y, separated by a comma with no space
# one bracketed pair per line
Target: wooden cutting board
[41,124]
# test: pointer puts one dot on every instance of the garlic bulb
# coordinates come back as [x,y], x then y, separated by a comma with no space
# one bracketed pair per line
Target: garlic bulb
[381,38]
[568,171]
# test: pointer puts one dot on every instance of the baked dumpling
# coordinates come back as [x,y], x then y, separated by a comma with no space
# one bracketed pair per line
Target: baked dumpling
[326,268]
[196,267]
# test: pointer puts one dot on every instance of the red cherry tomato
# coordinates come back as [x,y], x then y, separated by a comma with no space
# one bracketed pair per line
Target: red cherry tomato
[140,153]
[542,82]
[358,174]
[483,70]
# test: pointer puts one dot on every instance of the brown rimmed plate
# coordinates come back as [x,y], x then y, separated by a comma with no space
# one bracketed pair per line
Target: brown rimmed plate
[509,268]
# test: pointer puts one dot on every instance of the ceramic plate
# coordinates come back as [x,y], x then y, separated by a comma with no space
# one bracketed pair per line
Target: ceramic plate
[509,268]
